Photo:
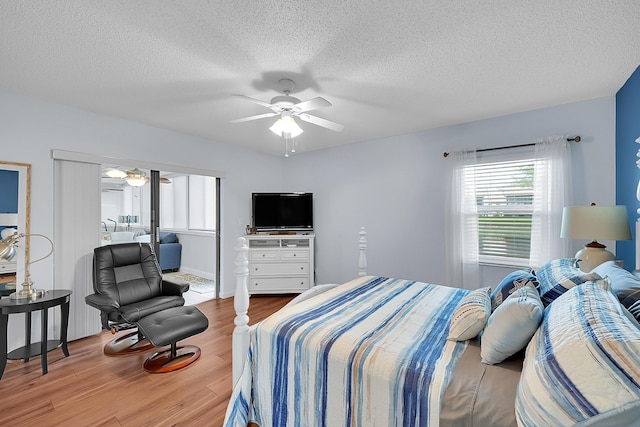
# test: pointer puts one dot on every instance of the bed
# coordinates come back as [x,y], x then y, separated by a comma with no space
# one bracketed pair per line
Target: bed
[550,347]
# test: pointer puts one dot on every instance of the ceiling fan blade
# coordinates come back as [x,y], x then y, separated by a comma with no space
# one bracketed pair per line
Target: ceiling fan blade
[259,116]
[321,122]
[312,104]
[255,101]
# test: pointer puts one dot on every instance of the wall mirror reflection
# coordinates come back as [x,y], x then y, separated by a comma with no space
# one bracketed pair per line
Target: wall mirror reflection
[187,243]
[15,214]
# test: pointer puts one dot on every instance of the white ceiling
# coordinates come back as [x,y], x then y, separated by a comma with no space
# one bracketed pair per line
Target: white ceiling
[388,67]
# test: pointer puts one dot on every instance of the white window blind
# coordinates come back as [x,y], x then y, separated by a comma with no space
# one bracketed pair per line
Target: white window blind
[174,202]
[188,202]
[504,197]
[202,203]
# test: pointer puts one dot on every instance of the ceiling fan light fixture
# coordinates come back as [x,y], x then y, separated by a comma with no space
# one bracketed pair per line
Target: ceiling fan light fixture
[286,126]
[136,182]
[115,173]
[136,178]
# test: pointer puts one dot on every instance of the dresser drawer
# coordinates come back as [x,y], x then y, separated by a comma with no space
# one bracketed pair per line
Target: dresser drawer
[282,269]
[263,255]
[290,254]
[292,243]
[278,284]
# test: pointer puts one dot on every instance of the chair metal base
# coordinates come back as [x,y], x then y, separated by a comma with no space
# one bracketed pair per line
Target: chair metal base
[130,343]
[172,359]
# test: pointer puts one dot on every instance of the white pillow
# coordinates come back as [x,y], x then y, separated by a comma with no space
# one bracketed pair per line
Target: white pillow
[471,315]
[511,326]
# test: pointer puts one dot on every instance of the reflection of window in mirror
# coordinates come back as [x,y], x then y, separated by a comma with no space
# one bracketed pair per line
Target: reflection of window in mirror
[187,203]
[8,199]
[8,219]
[14,215]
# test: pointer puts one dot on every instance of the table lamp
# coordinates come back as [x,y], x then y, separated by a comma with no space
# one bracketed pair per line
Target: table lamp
[595,223]
[8,251]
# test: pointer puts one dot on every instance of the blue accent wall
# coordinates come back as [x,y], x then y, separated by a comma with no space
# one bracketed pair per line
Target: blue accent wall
[627,173]
[8,191]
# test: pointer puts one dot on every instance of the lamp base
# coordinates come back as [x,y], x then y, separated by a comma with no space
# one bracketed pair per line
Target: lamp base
[27,291]
[592,256]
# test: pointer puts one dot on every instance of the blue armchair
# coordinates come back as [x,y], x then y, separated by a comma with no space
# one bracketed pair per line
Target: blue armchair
[170,251]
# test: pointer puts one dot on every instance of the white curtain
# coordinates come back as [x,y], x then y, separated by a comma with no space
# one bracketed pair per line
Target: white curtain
[462,267]
[551,192]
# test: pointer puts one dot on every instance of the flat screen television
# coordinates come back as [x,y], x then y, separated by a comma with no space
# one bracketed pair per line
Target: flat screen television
[282,211]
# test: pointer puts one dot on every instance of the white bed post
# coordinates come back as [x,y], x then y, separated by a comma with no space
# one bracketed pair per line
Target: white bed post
[362,261]
[240,339]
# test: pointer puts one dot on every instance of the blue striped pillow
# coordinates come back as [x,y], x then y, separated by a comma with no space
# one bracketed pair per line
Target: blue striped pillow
[558,276]
[583,363]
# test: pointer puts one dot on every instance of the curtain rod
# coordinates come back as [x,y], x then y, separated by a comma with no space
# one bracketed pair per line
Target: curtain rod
[575,139]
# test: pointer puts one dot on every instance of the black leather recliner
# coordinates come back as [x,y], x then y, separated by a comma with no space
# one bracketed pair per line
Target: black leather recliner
[128,286]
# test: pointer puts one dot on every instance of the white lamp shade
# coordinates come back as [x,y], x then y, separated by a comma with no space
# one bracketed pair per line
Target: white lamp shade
[136,178]
[286,126]
[115,173]
[595,223]
[136,182]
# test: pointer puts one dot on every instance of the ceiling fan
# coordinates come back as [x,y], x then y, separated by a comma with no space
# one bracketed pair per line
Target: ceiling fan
[289,107]
[134,177]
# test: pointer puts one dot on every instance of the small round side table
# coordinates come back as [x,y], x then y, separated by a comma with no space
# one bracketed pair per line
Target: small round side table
[58,297]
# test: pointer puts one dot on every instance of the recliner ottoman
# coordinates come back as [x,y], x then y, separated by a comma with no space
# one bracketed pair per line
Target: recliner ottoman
[167,327]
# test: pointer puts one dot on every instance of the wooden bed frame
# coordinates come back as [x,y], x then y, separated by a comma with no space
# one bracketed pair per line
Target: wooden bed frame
[242,331]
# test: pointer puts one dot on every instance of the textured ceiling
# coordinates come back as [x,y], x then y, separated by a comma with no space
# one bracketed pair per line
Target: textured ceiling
[388,67]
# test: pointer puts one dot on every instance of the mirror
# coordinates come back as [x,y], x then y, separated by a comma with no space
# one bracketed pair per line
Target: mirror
[15,210]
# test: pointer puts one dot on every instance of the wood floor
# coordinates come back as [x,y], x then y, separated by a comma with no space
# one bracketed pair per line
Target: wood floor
[91,389]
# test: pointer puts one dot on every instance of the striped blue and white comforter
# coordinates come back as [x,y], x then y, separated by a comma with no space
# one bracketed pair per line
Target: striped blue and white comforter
[372,352]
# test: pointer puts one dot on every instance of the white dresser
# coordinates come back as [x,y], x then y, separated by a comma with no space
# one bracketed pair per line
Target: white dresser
[280,263]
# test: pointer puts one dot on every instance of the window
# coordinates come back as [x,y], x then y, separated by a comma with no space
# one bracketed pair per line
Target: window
[188,202]
[504,199]
[506,209]
[202,203]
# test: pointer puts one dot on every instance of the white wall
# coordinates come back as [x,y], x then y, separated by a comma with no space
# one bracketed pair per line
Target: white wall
[396,188]
[197,249]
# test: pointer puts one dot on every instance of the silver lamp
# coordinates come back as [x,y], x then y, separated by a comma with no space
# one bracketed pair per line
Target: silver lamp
[595,223]
[8,251]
